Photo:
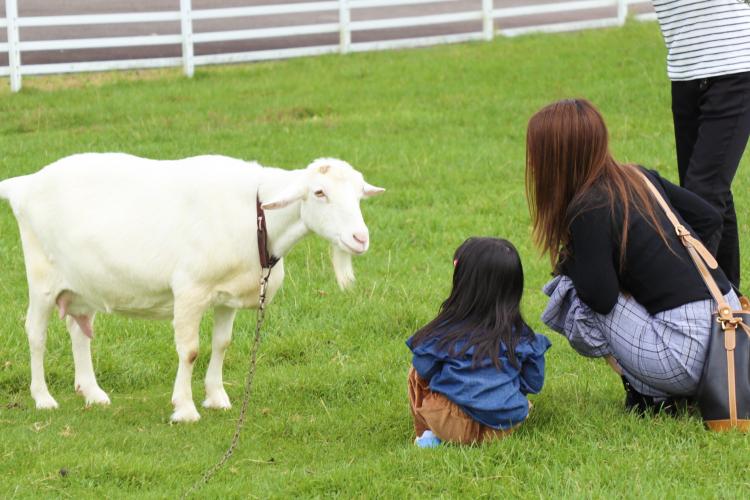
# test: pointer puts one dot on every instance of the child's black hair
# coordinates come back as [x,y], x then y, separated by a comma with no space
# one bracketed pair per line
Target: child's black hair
[483,308]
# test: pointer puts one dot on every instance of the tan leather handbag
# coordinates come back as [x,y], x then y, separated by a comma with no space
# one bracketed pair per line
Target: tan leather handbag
[723,395]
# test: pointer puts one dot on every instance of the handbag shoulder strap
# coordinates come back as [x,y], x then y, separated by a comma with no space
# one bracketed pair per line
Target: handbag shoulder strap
[698,252]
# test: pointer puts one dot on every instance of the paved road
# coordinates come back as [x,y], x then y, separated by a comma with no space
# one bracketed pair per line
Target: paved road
[68,7]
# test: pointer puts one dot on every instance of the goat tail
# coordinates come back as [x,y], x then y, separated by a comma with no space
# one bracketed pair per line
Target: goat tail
[10,188]
[5,189]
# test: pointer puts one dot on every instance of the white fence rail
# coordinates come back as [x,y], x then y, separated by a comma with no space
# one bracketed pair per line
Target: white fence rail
[482,17]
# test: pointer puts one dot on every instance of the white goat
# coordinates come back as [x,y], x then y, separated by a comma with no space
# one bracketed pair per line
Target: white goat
[169,239]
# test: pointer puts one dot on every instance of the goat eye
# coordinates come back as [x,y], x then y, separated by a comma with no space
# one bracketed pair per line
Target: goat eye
[320,193]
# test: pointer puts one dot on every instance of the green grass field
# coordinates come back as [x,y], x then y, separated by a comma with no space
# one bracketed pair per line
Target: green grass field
[443,129]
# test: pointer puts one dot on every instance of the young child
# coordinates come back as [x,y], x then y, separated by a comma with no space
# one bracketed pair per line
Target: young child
[475,363]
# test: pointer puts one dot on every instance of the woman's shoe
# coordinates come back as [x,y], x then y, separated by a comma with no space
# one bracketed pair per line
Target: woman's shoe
[635,401]
[642,404]
[674,406]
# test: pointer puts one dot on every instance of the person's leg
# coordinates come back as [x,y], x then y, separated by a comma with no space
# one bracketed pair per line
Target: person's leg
[617,337]
[638,350]
[723,131]
[490,434]
[661,355]
[728,252]
[612,362]
[434,412]
[448,421]
[418,388]
[685,114]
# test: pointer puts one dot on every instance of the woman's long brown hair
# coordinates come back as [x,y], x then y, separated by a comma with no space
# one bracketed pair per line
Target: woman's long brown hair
[567,155]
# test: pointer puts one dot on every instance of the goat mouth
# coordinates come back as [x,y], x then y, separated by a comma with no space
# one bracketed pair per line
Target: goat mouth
[352,249]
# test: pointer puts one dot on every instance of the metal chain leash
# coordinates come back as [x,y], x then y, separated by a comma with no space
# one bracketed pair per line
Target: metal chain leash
[248,389]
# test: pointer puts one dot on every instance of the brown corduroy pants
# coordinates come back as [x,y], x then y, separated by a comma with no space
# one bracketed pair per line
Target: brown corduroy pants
[433,411]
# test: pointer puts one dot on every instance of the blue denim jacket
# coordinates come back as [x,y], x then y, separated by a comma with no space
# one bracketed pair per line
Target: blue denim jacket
[495,398]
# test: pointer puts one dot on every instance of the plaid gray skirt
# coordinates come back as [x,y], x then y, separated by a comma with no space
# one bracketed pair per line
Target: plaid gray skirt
[661,355]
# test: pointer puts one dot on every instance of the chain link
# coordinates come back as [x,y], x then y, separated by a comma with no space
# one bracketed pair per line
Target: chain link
[248,389]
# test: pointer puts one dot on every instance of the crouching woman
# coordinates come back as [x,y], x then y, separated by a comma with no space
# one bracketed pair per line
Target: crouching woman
[625,287]
[474,364]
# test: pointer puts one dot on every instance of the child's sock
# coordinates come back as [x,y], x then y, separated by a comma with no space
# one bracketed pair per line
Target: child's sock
[427,440]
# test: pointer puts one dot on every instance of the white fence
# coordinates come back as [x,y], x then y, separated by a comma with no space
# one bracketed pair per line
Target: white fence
[482,15]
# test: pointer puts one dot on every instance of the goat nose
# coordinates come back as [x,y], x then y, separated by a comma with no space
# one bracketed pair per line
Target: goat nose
[360,237]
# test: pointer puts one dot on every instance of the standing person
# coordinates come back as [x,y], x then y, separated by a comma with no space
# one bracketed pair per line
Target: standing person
[708,62]
[474,364]
[626,289]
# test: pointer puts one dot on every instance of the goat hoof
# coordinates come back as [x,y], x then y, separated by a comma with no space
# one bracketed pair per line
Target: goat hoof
[218,401]
[46,402]
[96,397]
[183,415]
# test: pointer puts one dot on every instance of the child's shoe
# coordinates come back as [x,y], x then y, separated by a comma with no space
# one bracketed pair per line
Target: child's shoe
[427,440]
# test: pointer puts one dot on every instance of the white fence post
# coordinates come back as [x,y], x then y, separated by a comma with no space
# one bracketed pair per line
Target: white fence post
[345,33]
[622,11]
[186,23]
[488,20]
[14,54]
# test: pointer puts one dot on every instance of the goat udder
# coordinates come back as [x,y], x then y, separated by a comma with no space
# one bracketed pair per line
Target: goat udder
[84,323]
[63,301]
[83,320]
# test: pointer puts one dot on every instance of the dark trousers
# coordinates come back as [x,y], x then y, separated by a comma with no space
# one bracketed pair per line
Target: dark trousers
[712,125]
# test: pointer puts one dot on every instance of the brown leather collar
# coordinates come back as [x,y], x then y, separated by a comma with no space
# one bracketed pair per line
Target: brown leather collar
[267,261]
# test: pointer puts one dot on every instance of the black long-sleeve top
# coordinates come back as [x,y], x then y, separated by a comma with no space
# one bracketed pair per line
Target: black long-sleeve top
[657,277]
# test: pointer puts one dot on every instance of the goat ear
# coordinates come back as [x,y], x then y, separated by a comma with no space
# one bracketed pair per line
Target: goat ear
[285,198]
[371,190]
